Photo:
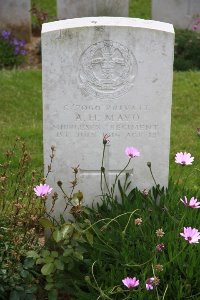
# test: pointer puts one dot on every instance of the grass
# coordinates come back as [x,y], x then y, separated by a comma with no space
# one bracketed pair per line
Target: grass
[137,8]
[185,120]
[140,9]
[48,6]
[21,115]
[21,111]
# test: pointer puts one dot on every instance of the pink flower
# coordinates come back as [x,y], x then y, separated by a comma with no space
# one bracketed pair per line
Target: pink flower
[192,235]
[132,152]
[193,202]
[42,190]
[149,283]
[183,158]
[131,282]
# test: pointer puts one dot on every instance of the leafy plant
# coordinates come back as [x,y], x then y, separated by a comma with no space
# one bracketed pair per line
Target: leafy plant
[59,258]
[64,246]
[136,237]
[19,227]
[135,245]
[140,239]
[12,51]
[187,50]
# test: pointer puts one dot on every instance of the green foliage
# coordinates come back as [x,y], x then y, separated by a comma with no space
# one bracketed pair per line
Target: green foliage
[11,50]
[48,6]
[121,248]
[19,227]
[39,16]
[63,250]
[187,50]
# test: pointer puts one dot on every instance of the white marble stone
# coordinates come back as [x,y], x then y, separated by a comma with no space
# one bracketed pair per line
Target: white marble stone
[107,75]
[15,15]
[68,9]
[181,13]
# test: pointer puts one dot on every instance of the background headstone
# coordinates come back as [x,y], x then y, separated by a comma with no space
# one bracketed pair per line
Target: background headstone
[181,13]
[107,75]
[68,9]
[15,16]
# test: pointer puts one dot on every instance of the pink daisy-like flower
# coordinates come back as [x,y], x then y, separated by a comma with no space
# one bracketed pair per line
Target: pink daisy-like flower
[42,190]
[132,152]
[149,283]
[184,158]
[192,235]
[193,203]
[131,283]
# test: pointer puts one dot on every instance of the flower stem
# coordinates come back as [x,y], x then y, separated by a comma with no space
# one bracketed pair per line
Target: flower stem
[176,256]
[119,175]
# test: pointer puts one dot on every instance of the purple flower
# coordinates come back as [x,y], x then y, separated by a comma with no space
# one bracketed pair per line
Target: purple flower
[130,283]
[42,190]
[16,51]
[22,43]
[192,235]
[193,203]
[183,158]
[132,152]
[5,34]
[23,52]
[149,283]
[15,42]
[196,24]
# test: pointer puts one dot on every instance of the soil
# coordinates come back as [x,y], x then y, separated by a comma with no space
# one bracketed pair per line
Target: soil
[33,57]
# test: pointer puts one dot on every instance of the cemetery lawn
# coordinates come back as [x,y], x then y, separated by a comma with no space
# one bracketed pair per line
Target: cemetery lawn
[21,115]
[21,111]
[137,9]
[48,6]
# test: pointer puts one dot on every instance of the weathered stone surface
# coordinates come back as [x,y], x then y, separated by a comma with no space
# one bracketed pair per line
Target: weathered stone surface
[68,9]
[15,16]
[181,13]
[107,75]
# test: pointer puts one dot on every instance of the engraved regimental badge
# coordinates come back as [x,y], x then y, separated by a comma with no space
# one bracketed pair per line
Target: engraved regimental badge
[107,70]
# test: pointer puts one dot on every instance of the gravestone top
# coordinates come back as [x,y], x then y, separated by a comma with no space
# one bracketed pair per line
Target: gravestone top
[181,13]
[16,16]
[104,75]
[68,9]
[107,21]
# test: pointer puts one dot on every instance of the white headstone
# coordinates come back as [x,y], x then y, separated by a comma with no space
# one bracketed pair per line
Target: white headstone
[15,16]
[68,9]
[181,13]
[107,75]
